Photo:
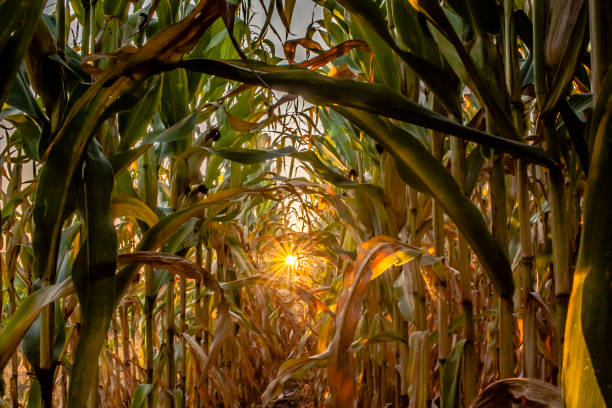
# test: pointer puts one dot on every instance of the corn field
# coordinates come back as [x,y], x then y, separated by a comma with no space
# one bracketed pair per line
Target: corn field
[326,203]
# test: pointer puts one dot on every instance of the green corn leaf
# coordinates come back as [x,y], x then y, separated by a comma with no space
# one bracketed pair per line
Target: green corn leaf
[139,117]
[93,274]
[126,206]
[386,65]
[16,326]
[466,68]
[30,345]
[374,98]
[140,395]
[369,13]
[383,337]
[27,133]
[15,37]
[450,377]
[588,328]
[410,33]
[46,73]
[34,395]
[21,97]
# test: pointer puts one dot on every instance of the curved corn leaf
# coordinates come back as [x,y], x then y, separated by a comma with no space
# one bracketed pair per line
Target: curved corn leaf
[373,98]
[15,37]
[530,392]
[410,32]
[376,338]
[127,206]
[21,97]
[140,395]
[173,263]
[435,78]
[16,326]
[30,345]
[386,64]
[292,368]
[45,73]
[93,274]
[453,49]
[450,377]
[138,118]
[564,43]
[588,328]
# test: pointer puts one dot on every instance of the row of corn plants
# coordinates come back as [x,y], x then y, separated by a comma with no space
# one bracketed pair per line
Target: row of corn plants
[414,214]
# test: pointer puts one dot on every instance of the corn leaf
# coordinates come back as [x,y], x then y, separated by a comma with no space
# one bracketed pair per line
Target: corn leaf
[588,327]
[450,377]
[15,37]
[373,98]
[18,324]
[529,391]
[140,395]
[369,13]
[126,206]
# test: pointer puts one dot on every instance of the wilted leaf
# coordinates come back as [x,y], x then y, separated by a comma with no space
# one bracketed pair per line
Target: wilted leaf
[519,392]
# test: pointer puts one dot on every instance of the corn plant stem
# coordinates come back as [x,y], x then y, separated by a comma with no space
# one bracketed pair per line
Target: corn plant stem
[560,238]
[86,28]
[499,228]
[93,395]
[125,337]
[397,320]
[182,328]
[500,232]
[198,291]
[559,230]
[198,319]
[148,317]
[171,368]
[92,27]
[115,336]
[60,27]
[12,252]
[206,309]
[522,186]
[14,361]
[397,326]
[437,149]
[415,273]
[46,354]
[529,322]
[458,169]
[600,14]
[2,278]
